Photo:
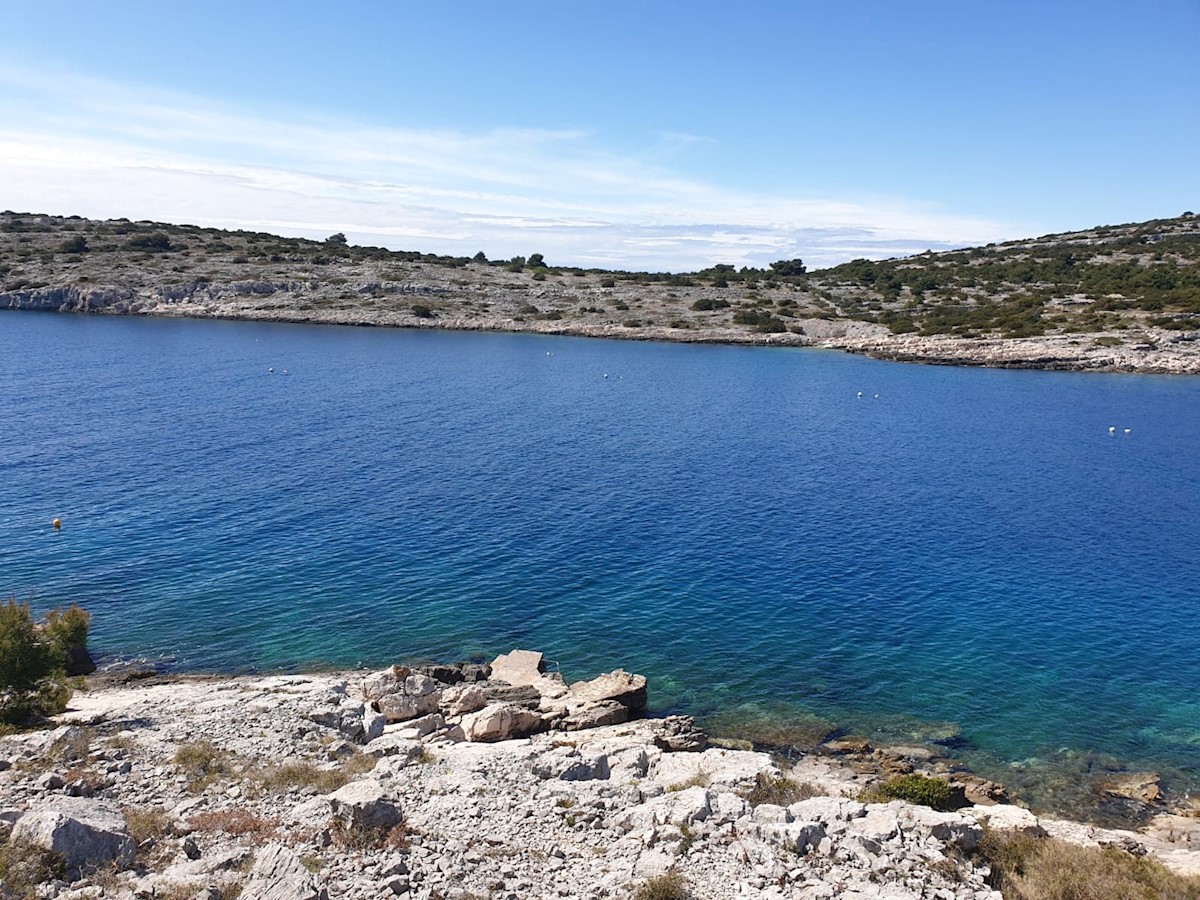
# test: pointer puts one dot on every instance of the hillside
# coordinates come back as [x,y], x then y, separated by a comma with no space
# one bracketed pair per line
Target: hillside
[1113,298]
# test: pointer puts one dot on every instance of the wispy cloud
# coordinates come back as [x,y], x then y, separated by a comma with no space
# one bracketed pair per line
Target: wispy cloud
[77,145]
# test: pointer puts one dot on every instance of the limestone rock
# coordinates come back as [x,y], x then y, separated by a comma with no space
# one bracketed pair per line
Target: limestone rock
[278,874]
[1139,786]
[364,804]
[627,689]
[1003,817]
[500,722]
[463,699]
[402,707]
[521,667]
[87,833]
[679,734]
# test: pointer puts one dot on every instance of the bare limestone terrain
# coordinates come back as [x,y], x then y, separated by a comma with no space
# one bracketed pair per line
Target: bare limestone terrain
[1123,298]
[502,781]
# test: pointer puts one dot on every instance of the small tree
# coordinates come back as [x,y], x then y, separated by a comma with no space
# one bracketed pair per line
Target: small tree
[76,244]
[338,238]
[536,260]
[34,659]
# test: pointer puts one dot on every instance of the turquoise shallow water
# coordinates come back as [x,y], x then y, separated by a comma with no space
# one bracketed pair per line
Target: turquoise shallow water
[970,555]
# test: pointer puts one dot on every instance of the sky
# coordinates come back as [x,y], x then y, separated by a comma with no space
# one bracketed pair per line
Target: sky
[662,136]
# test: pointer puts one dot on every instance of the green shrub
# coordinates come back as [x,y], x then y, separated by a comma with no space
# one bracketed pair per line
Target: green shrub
[706,303]
[918,789]
[34,659]
[154,243]
[671,886]
[76,244]
[421,311]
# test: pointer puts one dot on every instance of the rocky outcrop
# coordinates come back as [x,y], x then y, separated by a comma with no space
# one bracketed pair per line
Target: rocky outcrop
[293,809]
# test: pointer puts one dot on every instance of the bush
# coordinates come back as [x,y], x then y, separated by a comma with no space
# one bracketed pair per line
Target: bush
[919,789]
[154,243]
[706,303]
[34,659]
[77,244]
[671,886]
[781,791]
[421,311]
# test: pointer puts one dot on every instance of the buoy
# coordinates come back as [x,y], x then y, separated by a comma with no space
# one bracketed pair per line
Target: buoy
[57,523]
[271,371]
[605,374]
[1112,429]
[1127,430]
[876,396]
[860,395]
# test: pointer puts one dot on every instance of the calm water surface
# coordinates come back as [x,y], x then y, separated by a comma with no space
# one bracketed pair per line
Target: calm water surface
[971,556]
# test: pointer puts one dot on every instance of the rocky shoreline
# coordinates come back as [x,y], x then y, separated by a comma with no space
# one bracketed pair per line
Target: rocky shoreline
[1158,352]
[475,781]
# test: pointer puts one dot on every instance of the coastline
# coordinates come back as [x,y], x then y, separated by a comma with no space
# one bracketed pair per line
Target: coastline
[1156,352]
[487,808]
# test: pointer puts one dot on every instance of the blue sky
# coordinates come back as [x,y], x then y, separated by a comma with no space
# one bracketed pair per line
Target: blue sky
[664,136]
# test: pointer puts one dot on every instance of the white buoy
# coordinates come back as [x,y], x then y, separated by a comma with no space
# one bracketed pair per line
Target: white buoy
[605,374]
[1112,429]
[1127,430]
[860,395]
[271,371]
[876,396]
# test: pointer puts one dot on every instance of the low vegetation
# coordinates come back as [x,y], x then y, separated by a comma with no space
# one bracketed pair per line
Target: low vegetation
[917,789]
[1031,868]
[779,791]
[36,659]
[669,886]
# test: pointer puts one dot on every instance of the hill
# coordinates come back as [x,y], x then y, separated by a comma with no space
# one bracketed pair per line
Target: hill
[1113,298]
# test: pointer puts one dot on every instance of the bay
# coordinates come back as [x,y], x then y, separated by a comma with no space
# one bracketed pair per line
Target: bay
[969,556]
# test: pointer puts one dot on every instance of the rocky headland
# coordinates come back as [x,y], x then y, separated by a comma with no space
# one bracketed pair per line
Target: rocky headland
[1008,306]
[471,781]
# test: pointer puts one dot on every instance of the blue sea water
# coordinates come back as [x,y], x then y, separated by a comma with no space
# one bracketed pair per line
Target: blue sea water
[971,555]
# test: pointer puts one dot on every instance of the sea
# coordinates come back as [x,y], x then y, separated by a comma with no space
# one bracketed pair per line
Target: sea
[1001,565]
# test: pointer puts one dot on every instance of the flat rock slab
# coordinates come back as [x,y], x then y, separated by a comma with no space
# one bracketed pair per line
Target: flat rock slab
[521,667]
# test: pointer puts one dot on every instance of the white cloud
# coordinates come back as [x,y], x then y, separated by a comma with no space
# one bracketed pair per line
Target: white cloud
[80,146]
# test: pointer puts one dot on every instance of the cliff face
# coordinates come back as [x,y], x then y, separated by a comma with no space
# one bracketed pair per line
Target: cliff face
[153,269]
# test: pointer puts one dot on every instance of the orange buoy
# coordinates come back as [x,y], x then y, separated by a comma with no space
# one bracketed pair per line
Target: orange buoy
[57,523]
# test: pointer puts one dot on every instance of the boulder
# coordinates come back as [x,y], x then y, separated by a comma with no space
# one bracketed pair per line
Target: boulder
[402,707]
[462,699]
[627,689]
[382,683]
[1002,817]
[364,804]
[278,874]
[679,734]
[86,833]
[500,722]
[589,715]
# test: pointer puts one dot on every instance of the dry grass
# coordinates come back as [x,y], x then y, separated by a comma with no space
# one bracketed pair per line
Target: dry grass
[202,763]
[699,779]
[147,823]
[1029,868]
[23,868]
[238,823]
[671,886]
[368,837]
[780,791]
